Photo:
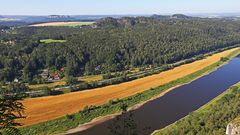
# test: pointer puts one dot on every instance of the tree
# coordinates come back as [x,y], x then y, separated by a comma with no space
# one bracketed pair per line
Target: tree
[16,88]
[47,91]
[11,109]
[71,80]
[6,75]
[147,41]
[224,59]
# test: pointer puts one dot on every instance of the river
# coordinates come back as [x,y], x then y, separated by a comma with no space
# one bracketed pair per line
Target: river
[174,105]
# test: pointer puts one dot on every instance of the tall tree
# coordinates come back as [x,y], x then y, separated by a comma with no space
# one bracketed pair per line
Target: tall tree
[11,109]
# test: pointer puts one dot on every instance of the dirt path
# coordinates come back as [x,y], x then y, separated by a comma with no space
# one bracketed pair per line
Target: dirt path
[48,108]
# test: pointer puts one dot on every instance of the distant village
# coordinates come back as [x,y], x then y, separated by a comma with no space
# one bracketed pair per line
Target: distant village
[7,31]
[50,76]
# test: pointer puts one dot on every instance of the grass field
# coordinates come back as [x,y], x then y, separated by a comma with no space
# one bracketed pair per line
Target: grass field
[62,82]
[47,41]
[91,78]
[48,108]
[49,85]
[69,24]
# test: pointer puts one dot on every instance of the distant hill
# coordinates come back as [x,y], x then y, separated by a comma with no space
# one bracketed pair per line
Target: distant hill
[131,21]
[59,16]
[12,23]
[38,19]
[51,18]
[160,16]
[122,22]
[175,16]
[181,16]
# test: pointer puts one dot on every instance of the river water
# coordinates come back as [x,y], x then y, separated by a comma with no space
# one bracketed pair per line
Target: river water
[174,105]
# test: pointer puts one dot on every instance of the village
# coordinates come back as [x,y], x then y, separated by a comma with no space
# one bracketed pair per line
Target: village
[48,75]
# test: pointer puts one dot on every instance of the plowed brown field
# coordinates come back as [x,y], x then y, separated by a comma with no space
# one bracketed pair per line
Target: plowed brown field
[48,108]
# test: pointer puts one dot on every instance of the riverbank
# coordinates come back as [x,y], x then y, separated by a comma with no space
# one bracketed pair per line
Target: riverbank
[64,123]
[211,118]
[48,108]
[103,119]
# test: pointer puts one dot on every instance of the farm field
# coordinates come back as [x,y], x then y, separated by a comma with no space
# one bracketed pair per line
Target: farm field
[49,85]
[52,41]
[90,78]
[70,24]
[63,82]
[48,108]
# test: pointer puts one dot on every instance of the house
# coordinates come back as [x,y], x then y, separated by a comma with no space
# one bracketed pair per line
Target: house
[16,80]
[56,77]
[62,69]
[97,68]
[45,74]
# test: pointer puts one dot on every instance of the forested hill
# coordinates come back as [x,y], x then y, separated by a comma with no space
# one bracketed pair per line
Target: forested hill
[87,50]
[132,21]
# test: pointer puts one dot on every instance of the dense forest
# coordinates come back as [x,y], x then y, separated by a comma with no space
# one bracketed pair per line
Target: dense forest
[211,120]
[111,45]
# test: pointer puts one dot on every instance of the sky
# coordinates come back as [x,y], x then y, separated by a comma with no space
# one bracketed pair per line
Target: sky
[114,7]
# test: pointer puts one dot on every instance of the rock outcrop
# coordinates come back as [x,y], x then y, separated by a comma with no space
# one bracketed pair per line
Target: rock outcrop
[233,128]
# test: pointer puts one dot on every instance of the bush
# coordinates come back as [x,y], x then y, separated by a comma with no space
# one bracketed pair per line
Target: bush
[224,59]
[71,80]
[47,91]
[10,131]
[70,117]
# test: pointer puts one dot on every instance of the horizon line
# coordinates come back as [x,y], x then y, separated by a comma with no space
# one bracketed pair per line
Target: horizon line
[137,14]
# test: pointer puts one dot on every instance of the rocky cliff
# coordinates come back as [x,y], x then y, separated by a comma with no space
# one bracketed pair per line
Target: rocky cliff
[233,128]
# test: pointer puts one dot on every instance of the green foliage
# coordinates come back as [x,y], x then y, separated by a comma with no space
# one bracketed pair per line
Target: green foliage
[10,131]
[10,111]
[107,76]
[70,80]
[224,59]
[14,88]
[47,91]
[37,80]
[123,107]
[70,117]
[131,42]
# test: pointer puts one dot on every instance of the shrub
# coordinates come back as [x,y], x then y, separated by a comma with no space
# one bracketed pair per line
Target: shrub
[70,117]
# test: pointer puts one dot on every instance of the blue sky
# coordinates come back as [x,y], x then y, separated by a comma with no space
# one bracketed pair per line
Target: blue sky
[81,7]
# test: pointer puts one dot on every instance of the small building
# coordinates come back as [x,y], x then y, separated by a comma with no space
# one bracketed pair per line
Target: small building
[16,80]
[97,68]
[62,69]
[45,74]
[56,77]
